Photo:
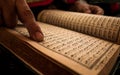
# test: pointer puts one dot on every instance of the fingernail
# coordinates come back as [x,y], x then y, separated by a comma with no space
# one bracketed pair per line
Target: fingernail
[39,36]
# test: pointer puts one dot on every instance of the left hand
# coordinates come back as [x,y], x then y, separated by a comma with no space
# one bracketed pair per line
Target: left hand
[96,9]
[87,8]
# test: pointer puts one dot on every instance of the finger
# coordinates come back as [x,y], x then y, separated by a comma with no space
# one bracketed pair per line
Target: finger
[27,17]
[9,15]
[100,11]
[35,32]
[86,10]
[96,10]
[24,12]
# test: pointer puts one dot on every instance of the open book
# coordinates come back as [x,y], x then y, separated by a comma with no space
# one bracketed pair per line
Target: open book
[74,43]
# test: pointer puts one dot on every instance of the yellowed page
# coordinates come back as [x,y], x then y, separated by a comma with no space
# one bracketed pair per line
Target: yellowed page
[104,27]
[74,52]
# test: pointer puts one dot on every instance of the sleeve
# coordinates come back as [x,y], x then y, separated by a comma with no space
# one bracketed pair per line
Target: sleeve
[35,3]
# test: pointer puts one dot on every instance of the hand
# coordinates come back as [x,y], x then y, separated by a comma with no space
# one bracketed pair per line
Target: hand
[12,10]
[87,8]
[96,9]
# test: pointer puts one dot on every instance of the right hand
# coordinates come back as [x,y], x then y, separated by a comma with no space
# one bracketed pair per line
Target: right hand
[12,10]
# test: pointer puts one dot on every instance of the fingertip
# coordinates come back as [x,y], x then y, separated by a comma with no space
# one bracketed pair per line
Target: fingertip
[88,11]
[37,36]
[100,12]
[35,31]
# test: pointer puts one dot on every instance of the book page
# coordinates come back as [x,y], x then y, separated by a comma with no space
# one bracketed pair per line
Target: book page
[96,25]
[86,52]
